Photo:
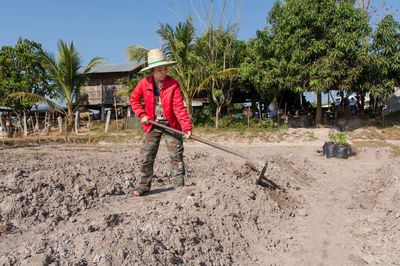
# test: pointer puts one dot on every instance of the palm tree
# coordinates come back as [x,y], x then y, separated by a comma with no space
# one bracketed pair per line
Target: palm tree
[178,45]
[66,72]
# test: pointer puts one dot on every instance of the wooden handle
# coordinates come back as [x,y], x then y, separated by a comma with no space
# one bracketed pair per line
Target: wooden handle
[212,144]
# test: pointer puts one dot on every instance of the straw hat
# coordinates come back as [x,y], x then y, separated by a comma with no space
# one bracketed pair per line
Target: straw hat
[155,58]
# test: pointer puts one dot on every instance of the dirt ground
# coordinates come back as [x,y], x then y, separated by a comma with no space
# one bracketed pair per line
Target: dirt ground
[70,204]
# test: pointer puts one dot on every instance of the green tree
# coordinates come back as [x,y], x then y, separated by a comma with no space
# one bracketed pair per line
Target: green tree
[311,46]
[66,73]
[178,45]
[257,67]
[22,71]
[221,54]
[384,69]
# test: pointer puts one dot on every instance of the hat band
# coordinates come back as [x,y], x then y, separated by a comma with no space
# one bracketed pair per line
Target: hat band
[156,62]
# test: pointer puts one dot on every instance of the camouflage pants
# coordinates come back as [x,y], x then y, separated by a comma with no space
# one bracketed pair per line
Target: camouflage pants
[151,142]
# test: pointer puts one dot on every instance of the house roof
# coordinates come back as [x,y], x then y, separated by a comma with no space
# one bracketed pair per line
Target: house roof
[110,68]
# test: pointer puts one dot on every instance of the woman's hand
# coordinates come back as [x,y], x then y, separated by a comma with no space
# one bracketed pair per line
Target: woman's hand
[188,135]
[145,119]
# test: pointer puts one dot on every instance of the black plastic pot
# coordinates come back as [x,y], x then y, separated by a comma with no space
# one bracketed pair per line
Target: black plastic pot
[329,149]
[342,151]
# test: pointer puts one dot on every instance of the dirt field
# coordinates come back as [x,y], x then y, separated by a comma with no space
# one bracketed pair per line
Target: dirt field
[70,204]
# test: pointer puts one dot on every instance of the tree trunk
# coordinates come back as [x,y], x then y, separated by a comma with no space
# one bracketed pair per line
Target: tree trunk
[362,102]
[36,122]
[189,106]
[48,125]
[318,118]
[217,114]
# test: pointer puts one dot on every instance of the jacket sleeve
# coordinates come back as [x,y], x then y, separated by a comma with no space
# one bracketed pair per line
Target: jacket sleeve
[136,96]
[180,110]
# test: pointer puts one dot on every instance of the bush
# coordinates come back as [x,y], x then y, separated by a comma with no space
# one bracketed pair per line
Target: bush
[204,117]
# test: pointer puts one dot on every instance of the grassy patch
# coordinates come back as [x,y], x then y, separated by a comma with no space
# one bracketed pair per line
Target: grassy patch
[395,150]
[377,144]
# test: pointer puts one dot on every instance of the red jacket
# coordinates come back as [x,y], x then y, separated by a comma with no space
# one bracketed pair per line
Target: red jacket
[171,101]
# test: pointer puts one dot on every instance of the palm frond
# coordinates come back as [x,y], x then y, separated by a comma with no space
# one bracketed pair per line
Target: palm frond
[136,53]
[229,72]
[34,98]
[94,62]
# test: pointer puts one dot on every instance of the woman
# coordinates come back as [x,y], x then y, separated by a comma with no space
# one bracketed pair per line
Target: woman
[164,104]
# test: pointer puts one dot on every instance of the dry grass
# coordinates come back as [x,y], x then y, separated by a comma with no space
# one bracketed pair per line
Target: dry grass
[377,144]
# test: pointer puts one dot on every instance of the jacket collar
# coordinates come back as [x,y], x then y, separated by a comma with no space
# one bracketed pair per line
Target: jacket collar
[150,79]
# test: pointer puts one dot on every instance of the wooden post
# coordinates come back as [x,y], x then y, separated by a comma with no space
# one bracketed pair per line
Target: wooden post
[102,111]
[286,116]
[89,125]
[48,124]
[259,111]
[248,116]
[60,124]
[2,128]
[77,122]
[116,111]
[108,120]
[45,120]
[37,122]
[66,130]
[329,104]
[1,122]
[25,125]
[32,124]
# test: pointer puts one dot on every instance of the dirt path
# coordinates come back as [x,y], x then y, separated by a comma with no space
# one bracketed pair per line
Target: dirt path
[328,229]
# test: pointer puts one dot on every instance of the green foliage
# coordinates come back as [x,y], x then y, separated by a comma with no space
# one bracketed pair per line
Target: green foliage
[221,55]
[22,71]
[338,138]
[238,106]
[179,45]
[66,74]
[309,46]
[384,62]
[129,84]
[204,116]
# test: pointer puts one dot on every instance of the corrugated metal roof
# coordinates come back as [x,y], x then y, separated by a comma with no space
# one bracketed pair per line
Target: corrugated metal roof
[109,68]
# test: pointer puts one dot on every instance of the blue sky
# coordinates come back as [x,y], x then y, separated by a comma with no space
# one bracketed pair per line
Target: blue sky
[105,28]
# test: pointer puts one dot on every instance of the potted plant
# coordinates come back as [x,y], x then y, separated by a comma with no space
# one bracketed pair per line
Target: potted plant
[337,147]
[342,147]
[329,146]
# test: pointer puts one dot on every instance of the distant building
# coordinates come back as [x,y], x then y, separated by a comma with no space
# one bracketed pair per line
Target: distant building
[104,82]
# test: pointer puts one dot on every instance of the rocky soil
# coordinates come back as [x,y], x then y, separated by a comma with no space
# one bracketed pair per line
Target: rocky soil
[63,204]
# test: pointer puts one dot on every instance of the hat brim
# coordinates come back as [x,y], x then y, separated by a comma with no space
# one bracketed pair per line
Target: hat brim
[165,63]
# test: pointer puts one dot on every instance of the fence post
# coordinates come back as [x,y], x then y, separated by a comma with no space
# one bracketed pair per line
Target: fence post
[60,124]
[25,125]
[108,120]
[48,124]
[77,122]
